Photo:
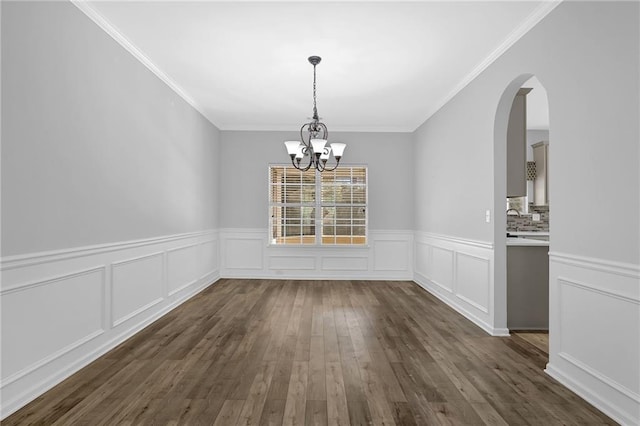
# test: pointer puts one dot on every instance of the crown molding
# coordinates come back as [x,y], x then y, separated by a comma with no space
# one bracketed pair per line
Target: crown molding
[296,128]
[532,20]
[112,31]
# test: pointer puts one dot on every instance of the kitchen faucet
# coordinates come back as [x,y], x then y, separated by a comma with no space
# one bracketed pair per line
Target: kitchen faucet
[514,210]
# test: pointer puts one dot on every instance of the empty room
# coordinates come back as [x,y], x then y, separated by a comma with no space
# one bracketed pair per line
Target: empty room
[320,213]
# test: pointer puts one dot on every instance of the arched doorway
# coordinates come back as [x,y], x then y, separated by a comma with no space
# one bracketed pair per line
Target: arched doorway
[534,220]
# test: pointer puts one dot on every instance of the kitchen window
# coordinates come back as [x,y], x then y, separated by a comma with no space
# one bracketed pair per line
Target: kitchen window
[314,208]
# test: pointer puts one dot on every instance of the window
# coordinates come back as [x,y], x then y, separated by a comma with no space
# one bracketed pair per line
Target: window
[318,208]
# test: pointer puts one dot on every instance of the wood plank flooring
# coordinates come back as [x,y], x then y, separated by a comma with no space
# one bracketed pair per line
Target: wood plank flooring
[267,352]
[539,339]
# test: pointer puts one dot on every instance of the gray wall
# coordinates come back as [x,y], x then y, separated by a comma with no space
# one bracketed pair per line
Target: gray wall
[247,155]
[95,148]
[586,56]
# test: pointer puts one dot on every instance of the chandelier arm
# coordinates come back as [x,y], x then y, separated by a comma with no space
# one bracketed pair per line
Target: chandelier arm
[325,131]
[306,151]
[302,169]
[307,168]
[308,143]
[334,167]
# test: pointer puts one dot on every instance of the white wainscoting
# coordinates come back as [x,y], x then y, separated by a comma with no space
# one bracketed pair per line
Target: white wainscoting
[63,309]
[594,330]
[246,253]
[460,273]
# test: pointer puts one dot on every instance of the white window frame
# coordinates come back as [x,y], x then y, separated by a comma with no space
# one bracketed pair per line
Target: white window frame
[318,211]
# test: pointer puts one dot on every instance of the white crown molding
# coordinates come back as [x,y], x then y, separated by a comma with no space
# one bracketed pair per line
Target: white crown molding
[532,20]
[111,30]
[296,128]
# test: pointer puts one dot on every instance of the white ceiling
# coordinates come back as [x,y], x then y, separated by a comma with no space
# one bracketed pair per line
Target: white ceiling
[385,66]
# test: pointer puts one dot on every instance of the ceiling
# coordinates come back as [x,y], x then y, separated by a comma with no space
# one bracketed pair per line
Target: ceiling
[385,66]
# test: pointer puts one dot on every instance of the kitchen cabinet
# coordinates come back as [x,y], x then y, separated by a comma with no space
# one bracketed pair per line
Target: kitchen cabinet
[541,182]
[528,287]
[516,146]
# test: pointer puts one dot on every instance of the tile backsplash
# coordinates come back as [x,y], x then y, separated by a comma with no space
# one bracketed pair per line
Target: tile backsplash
[524,222]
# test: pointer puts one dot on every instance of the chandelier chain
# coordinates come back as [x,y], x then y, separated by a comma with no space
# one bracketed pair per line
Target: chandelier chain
[315,109]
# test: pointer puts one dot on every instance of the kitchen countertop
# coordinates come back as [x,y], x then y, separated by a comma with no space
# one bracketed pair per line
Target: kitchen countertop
[528,238]
[520,241]
[529,233]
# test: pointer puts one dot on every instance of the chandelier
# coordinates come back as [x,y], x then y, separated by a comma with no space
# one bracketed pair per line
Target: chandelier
[314,146]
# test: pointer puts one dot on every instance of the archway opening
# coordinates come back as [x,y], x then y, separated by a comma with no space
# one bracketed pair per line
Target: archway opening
[522,230]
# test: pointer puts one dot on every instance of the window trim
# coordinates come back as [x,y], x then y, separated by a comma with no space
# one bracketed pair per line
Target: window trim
[318,216]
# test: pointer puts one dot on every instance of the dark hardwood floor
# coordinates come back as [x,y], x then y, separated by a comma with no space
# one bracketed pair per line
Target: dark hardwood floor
[313,352]
[539,339]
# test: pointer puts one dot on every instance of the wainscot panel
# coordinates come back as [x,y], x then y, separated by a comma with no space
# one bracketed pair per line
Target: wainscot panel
[243,251]
[473,275]
[63,309]
[590,353]
[345,263]
[422,259]
[246,253]
[40,319]
[292,263]
[136,285]
[442,267]
[209,257]
[391,254]
[182,267]
[460,273]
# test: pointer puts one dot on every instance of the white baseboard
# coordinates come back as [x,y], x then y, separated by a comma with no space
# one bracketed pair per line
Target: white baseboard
[114,291]
[584,392]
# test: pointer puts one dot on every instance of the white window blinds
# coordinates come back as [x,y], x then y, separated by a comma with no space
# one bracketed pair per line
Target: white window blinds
[318,208]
